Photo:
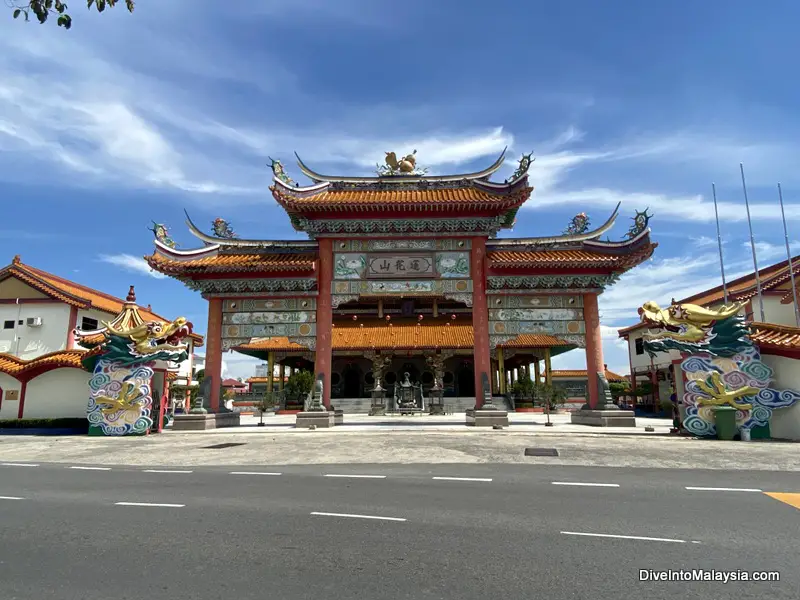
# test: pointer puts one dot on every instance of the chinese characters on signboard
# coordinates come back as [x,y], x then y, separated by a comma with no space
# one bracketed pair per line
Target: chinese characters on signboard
[392,266]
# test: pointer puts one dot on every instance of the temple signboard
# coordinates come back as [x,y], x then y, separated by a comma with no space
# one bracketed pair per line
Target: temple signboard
[412,265]
[400,266]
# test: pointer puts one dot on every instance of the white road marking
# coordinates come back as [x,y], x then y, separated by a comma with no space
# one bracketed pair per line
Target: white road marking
[327,514]
[252,473]
[19,465]
[164,471]
[463,478]
[616,485]
[11,498]
[723,489]
[356,476]
[625,537]
[91,468]
[149,504]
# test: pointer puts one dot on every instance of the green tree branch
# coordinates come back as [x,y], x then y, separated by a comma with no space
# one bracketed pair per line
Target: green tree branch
[44,9]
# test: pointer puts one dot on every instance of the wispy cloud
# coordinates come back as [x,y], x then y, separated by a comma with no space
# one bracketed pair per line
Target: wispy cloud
[134,264]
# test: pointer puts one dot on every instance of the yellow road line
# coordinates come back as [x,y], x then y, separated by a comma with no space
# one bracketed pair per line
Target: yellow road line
[790,499]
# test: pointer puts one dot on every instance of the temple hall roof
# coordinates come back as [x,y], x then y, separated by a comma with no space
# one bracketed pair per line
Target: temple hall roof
[401,336]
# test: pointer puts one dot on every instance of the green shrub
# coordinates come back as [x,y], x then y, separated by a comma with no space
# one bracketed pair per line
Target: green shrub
[299,385]
[80,424]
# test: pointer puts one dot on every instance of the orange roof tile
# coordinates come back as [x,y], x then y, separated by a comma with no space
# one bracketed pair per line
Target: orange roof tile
[439,200]
[76,294]
[25,369]
[775,336]
[575,373]
[232,262]
[745,287]
[387,336]
[570,258]
[534,340]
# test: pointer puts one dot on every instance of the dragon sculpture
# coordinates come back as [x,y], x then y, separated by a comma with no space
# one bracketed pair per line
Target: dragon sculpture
[640,223]
[525,162]
[222,229]
[279,171]
[721,365]
[120,358]
[578,225]
[162,235]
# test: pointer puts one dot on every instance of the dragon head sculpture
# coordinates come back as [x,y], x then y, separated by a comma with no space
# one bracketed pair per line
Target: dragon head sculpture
[129,340]
[690,328]
[149,341]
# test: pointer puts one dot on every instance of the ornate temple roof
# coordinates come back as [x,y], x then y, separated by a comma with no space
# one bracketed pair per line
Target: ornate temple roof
[24,370]
[378,335]
[403,201]
[214,261]
[585,258]
[401,190]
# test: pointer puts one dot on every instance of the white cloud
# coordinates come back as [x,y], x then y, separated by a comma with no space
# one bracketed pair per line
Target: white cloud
[134,264]
[234,365]
[767,252]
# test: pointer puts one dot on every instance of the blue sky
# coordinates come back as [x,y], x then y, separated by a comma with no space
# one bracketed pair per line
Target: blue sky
[128,118]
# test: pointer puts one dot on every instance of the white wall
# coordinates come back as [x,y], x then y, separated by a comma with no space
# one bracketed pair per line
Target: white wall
[785,423]
[58,393]
[775,312]
[9,408]
[642,361]
[34,341]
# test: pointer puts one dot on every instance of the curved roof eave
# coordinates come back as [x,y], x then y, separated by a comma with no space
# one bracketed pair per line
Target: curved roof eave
[318,178]
[211,240]
[580,237]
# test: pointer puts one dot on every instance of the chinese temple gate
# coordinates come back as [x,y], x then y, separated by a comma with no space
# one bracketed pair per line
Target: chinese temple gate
[402,273]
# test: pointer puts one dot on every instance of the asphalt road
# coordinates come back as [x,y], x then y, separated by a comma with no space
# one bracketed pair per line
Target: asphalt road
[411,531]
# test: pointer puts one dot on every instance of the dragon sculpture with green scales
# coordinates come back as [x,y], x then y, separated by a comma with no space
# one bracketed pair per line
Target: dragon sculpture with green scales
[121,356]
[721,364]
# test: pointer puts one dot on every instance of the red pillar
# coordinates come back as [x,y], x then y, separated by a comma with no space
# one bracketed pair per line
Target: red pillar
[22,391]
[480,317]
[213,366]
[322,362]
[594,346]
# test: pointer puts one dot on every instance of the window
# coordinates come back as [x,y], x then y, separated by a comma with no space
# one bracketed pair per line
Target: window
[89,324]
[8,324]
[639,346]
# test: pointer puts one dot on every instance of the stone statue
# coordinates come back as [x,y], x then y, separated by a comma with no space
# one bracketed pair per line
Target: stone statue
[316,394]
[605,400]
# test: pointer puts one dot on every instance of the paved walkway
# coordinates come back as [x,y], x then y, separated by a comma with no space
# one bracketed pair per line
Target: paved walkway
[527,422]
[251,445]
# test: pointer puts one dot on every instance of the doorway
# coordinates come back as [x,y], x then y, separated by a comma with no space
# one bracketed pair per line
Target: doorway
[352,383]
[466,382]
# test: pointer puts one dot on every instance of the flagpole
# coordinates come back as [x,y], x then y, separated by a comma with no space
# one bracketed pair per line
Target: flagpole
[719,243]
[753,246]
[789,258]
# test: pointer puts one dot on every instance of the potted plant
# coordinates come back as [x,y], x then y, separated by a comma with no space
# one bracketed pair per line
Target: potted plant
[297,388]
[523,391]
